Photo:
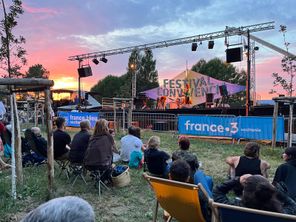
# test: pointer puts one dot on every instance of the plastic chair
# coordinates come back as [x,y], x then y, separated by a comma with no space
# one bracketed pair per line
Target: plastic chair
[180,200]
[230,213]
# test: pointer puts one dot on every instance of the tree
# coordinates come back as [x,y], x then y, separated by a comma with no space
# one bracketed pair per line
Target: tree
[218,69]
[107,87]
[37,71]
[12,54]
[288,63]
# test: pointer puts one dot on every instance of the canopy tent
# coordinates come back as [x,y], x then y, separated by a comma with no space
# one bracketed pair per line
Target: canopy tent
[193,84]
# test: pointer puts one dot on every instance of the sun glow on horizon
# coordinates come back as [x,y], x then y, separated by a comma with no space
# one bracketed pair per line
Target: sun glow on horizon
[65,83]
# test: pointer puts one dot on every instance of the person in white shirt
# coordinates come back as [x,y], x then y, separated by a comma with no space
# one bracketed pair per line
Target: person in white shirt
[130,143]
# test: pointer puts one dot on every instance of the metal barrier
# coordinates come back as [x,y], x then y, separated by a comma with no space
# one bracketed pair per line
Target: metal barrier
[144,120]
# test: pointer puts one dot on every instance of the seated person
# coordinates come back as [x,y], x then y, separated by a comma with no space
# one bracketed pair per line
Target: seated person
[180,171]
[156,159]
[286,172]
[130,143]
[98,155]
[250,163]
[61,140]
[41,143]
[80,142]
[136,160]
[196,175]
[258,193]
[66,209]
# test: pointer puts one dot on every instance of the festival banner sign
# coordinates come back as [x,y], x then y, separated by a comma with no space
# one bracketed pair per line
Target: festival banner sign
[257,128]
[197,84]
[73,119]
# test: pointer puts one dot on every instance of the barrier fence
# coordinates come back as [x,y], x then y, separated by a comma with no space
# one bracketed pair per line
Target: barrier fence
[257,128]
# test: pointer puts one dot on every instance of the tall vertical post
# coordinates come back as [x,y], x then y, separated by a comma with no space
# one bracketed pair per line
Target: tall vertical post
[13,175]
[290,130]
[274,123]
[79,87]
[50,159]
[248,77]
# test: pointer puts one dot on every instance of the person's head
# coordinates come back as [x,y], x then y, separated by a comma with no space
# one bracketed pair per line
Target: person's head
[36,131]
[101,127]
[137,132]
[252,149]
[289,154]
[67,209]
[184,143]
[85,124]
[60,122]
[258,193]
[154,142]
[132,130]
[112,132]
[180,171]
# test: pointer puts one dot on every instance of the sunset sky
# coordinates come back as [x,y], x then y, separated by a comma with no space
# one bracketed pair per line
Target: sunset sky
[57,29]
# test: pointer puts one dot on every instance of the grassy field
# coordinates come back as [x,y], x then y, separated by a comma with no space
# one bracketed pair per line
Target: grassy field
[132,203]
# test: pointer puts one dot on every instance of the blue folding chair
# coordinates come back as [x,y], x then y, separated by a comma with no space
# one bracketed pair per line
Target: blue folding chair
[229,213]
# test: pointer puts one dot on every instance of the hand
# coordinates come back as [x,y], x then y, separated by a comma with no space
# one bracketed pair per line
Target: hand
[243,178]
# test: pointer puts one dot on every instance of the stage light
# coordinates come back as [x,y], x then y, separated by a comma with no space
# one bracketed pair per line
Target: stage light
[211,45]
[104,60]
[95,61]
[194,46]
[256,48]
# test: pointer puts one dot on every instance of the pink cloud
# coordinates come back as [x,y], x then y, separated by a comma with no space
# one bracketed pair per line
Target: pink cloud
[33,10]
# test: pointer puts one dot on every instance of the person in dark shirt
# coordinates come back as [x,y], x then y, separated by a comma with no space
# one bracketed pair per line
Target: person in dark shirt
[41,143]
[61,140]
[286,172]
[80,142]
[155,158]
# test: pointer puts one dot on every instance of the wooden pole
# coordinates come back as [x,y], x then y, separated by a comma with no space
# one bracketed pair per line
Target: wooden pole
[50,158]
[274,123]
[290,131]
[13,176]
[26,82]
[18,143]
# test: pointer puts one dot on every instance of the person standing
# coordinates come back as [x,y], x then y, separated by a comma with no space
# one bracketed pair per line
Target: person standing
[80,142]
[61,140]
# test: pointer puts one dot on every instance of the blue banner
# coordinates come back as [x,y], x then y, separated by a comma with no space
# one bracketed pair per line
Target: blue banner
[73,119]
[257,128]
[208,126]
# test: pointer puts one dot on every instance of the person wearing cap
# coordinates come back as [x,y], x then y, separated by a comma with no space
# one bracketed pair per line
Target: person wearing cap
[286,172]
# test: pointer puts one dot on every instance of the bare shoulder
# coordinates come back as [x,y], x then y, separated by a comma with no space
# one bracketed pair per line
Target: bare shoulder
[232,159]
[265,164]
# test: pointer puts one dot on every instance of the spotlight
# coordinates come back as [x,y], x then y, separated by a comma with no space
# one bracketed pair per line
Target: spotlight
[104,60]
[256,48]
[194,46]
[95,61]
[211,45]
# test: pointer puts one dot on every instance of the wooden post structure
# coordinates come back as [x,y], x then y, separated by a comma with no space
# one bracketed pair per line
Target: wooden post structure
[13,174]
[274,123]
[50,157]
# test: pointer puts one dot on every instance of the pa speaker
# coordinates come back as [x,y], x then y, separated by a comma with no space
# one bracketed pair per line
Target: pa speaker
[234,55]
[194,46]
[84,72]
[223,90]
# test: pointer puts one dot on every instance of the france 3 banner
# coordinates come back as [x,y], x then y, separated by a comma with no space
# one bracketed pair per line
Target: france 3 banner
[208,126]
[260,128]
[73,119]
[257,128]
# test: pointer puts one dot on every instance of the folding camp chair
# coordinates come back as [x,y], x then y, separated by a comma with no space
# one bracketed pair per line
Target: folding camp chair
[99,177]
[77,170]
[228,213]
[180,200]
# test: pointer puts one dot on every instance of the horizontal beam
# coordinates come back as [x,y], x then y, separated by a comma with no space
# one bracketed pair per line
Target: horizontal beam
[27,82]
[229,31]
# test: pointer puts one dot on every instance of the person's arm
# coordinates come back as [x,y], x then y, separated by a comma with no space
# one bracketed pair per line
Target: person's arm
[220,191]
[280,174]
[232,160]
[264,166]
[289,205]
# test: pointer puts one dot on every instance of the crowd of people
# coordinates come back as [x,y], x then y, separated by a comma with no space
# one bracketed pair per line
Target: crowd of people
[248,174]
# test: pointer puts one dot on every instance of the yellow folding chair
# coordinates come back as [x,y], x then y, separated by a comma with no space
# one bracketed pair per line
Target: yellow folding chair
[179,199]
[229,213]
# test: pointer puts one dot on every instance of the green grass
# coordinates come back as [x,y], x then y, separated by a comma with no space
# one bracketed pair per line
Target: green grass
[132,203]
